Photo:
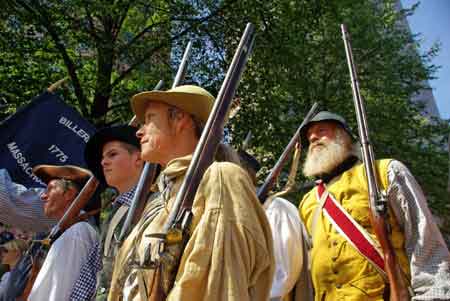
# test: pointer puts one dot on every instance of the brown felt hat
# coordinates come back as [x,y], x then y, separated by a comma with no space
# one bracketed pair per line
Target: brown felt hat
[68,172]
[191,99]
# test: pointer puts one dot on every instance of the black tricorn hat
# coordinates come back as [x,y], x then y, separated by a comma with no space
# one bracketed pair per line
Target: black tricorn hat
[68,172]
[94,147]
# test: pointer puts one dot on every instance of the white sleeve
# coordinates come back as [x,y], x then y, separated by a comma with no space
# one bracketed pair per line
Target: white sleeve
[21,207]
[63,263]
[426,250]
[286,228]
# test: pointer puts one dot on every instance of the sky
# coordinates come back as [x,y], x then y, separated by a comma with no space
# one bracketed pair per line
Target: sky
[432,21]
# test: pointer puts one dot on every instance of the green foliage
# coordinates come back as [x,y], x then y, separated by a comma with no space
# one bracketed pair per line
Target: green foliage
[108,50]
[299,58]
[113,49]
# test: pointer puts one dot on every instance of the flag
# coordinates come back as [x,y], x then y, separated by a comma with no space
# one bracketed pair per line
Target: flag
[46,131]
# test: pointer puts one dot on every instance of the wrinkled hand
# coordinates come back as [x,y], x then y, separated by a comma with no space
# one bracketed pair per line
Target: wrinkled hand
[17,280]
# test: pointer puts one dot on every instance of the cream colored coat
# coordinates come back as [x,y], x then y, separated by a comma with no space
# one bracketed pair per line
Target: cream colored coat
[229,255]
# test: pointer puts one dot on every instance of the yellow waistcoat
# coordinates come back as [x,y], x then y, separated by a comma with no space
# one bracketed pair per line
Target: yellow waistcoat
[338,271]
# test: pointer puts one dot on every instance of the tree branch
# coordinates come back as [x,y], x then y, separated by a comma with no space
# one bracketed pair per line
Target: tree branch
[161,45]
[44,20]
[91,31]
[138,36]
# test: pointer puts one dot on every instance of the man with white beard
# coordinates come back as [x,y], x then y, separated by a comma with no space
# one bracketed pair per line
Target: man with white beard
[337,210]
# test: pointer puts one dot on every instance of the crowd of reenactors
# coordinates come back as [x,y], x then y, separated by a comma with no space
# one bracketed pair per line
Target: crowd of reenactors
[226,245]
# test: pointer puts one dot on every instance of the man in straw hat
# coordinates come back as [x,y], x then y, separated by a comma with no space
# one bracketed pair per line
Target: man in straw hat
[339,270]
[69,252]
[113,155]
[229,254]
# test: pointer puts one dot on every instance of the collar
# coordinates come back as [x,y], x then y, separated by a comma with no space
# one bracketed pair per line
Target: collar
[175,168]
[126,197]
[341,168]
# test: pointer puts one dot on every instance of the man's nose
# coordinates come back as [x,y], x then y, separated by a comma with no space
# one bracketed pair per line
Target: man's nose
[104,162]
[313,137]
[140,132]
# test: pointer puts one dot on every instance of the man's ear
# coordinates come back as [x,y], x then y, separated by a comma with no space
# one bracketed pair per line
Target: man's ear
[183,121]
[138,159]
[70,194]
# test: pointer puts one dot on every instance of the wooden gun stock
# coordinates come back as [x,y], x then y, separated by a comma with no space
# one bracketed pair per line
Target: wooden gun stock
[157,290]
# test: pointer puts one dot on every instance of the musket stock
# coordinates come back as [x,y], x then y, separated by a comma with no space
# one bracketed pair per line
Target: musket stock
[74,209]
[377,199]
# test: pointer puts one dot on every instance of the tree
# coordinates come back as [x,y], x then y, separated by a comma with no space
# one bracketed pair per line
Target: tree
[113,49]
[299,58]
[108,49]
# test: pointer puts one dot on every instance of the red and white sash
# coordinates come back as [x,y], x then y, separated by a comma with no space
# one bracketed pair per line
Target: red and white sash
[354,233]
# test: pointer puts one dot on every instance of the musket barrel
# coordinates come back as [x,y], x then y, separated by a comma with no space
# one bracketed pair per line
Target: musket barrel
[181,73]
[263,191]
[367,152]
[204,153]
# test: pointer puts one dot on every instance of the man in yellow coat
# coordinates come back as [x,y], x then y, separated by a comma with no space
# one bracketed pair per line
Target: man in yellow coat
[229,255]
[341,272]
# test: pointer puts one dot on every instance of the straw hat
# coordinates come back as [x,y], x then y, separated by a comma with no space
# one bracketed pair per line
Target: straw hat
[191,99]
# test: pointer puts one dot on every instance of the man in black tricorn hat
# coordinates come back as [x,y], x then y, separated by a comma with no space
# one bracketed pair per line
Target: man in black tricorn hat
[113,155]
[70,250]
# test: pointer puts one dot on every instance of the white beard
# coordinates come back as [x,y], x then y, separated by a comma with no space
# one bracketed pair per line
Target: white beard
[324,158]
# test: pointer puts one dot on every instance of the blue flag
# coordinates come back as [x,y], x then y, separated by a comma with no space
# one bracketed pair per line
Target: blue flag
[46,131]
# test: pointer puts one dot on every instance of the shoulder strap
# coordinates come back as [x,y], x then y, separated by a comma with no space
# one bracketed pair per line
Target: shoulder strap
[344,223]
[115,220]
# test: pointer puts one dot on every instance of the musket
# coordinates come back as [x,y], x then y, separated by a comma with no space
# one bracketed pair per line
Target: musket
[175,232]
[271,179]
[149,170]
[377,199]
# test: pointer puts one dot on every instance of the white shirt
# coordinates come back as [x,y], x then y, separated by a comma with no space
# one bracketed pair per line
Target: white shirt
[287,236]
[427,252]
[63,263]
[22,207]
